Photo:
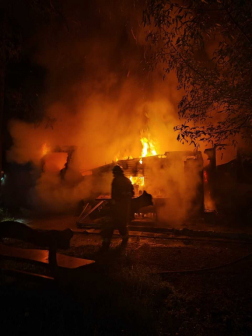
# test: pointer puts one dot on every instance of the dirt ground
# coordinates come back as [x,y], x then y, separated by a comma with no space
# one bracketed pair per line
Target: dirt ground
[125,294]
[61,222]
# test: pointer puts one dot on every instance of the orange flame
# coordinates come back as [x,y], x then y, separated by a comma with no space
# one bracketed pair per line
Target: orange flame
[148,147]
[138,180]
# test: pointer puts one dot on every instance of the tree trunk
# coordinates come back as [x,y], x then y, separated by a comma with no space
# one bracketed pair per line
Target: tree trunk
[2,79]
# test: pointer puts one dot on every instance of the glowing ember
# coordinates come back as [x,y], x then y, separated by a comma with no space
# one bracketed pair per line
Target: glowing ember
[124,158]
[205,176]
[86,172]
[45,149]
[137,180]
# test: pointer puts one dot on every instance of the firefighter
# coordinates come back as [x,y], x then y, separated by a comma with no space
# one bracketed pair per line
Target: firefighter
[121,193]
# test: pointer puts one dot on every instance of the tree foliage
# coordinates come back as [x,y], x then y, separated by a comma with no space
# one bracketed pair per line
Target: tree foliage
[209,45]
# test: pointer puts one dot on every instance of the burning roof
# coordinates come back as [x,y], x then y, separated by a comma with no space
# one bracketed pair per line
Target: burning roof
[142,172]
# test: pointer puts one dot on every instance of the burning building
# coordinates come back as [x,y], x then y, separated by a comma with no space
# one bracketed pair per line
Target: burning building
[100,98]
[174,179]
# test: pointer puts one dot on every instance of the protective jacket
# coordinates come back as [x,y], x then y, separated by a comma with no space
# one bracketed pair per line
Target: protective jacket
[121,193]
[121,188]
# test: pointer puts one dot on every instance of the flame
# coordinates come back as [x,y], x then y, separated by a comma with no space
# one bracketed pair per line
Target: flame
[45,149]
[137,180]
[148,147]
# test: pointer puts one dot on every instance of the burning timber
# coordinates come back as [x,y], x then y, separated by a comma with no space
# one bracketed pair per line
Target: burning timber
[174,179]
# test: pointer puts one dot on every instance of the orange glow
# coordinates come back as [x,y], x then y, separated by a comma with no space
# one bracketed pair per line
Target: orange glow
[86,172]
[205,176]
[45,149]
[137,180]
[54,162]
[124,158]
[148,147]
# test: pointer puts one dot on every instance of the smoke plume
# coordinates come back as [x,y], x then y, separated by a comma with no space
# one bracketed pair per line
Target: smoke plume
[100,99]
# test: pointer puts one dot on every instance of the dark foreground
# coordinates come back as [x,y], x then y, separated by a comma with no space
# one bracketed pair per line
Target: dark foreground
[122,295]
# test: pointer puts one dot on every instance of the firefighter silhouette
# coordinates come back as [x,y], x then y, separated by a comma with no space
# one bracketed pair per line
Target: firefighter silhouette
[121,193]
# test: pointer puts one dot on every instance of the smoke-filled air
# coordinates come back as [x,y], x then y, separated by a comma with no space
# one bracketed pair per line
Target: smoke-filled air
[100,99]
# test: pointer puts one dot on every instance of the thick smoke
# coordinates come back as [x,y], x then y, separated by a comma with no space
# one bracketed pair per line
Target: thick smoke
[100,98]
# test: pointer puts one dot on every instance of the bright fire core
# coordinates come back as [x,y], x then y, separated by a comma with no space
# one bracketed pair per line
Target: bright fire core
[147,150]
[148,147]
[138,180]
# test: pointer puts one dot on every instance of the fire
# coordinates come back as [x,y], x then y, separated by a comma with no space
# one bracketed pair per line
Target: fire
[137,180]
[124,158]
[45,149]
[148,147]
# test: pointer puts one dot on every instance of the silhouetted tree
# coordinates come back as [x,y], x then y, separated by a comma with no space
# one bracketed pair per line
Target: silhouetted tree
[208,43]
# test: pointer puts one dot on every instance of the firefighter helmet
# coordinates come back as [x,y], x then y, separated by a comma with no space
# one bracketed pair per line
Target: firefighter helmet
[117,170]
